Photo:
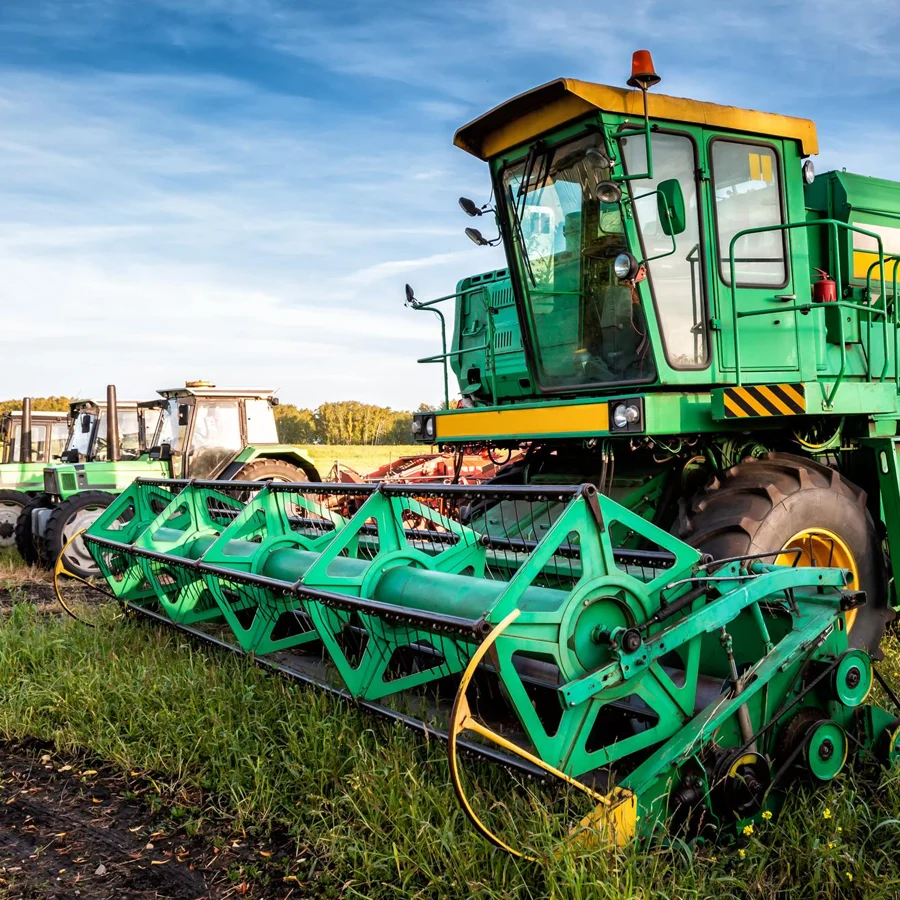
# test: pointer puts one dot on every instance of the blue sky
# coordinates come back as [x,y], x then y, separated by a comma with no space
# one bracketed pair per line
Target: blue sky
[239,189]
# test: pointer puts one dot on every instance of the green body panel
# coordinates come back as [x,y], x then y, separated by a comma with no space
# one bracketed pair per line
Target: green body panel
[25,477]
[67,479]
[287,452]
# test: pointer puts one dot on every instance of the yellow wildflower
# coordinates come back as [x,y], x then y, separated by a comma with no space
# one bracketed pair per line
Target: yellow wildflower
[748,830]
[767,814]
[742,853]
[827,813]
[849,876]
[831,845]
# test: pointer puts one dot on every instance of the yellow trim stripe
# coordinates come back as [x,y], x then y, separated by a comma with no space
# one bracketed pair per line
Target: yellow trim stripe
[781,406]
[732,407]
[798,396]
[556,103]
[748,398]
[587,418]
[750,401]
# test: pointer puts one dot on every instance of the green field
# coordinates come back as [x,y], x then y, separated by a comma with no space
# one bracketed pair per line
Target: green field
[361,457]
[368,805]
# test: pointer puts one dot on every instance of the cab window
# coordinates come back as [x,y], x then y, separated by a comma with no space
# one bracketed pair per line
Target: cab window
[748,195]
[59,437]
[674,267]
[216,437]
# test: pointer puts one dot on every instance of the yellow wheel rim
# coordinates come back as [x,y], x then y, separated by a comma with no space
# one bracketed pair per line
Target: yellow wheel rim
[823,548]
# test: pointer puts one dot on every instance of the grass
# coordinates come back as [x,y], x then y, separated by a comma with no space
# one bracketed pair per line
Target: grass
[369,804]
[13,572]
[362,457]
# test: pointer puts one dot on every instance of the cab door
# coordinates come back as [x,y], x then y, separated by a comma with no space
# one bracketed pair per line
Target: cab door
[746,190]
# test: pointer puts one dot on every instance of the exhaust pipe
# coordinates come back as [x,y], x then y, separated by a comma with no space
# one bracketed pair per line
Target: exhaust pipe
[112,424]
[25,439]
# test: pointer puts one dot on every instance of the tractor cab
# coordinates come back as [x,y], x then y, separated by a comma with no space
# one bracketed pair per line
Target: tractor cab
[202,430]
[49,432]
[88,438]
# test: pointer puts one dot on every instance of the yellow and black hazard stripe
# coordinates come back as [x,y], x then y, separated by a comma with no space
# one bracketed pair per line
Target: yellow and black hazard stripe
[764,400]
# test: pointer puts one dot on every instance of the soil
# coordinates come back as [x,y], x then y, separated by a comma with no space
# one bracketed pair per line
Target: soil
[70,828]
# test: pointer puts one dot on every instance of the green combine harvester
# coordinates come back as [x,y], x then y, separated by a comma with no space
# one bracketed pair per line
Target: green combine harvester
[29,440]
[673,603]
[198,431]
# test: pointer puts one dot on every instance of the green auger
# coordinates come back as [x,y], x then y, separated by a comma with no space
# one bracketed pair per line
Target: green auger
[687,689]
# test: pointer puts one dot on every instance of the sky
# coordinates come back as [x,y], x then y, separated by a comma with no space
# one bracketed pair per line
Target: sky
[238,190]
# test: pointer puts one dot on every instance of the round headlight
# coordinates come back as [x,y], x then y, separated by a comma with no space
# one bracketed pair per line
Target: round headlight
[809,171]
[625,414]
[429,427]
[625,266]
[417,426]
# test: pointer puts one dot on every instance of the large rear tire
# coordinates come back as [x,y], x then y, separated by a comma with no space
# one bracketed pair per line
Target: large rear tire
[783,501]
[79,511]
[275,470]
[11,505]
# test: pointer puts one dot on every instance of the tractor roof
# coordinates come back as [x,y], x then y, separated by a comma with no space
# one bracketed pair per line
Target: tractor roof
[76,405]
[218,393]
[545,108]
[38,414]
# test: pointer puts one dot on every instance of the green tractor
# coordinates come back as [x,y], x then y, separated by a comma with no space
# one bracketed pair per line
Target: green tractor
[29,440]
[82,436]
[195,432]
[674,602]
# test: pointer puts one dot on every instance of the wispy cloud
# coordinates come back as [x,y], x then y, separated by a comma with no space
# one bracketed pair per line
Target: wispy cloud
[238,189]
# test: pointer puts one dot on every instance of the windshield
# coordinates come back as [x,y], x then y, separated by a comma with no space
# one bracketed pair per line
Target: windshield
[587,326]
[172,425]
[81,432]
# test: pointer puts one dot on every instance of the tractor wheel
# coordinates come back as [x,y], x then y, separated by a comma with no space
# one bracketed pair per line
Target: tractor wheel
[786,502]
[25,541]
[275,470]
[79,511]
[11,504]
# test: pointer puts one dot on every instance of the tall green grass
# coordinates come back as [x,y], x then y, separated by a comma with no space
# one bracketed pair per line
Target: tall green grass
[369,803]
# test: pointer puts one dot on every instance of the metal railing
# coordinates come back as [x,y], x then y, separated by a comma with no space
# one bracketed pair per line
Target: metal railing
[889,314]
[444,355]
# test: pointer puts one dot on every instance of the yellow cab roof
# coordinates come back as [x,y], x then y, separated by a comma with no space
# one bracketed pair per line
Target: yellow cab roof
[545,108]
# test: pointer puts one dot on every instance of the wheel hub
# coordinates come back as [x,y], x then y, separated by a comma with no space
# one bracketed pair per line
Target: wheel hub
[823,548]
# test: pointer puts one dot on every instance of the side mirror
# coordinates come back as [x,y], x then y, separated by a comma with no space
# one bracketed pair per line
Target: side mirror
[476,237]
[670,206]
[468,207]
[410,295]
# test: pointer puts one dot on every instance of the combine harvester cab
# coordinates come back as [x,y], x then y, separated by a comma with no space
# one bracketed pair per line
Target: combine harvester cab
[672,601]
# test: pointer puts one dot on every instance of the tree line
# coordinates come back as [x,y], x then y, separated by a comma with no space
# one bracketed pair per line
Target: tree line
[345,422]
[342,422]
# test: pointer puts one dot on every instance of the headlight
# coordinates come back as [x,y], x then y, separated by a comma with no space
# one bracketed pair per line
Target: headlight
[809,171]
[626,415]
[429,427]
[626,267]
[417,426]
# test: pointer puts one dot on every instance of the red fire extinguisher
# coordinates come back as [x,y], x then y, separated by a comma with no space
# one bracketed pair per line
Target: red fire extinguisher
[825,289]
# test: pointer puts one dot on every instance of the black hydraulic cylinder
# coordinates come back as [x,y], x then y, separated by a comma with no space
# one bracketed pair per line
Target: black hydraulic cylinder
[112,424]
[25,439]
